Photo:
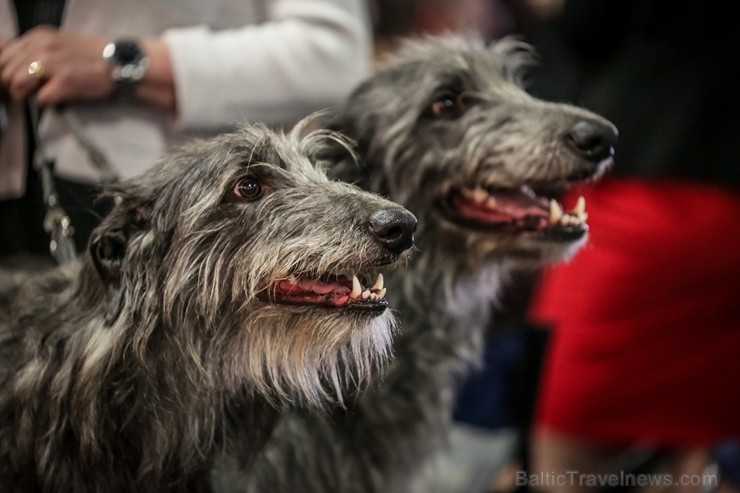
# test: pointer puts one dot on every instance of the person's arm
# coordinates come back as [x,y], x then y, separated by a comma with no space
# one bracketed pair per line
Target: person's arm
[309,55]
[157,87]
[72,68]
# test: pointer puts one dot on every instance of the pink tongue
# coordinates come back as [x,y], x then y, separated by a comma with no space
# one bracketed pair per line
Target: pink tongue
[520,204]
[518,208]
[313,286]
[508,206]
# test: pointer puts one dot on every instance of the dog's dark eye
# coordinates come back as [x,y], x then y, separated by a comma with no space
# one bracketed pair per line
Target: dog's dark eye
[448,105]
[248,188]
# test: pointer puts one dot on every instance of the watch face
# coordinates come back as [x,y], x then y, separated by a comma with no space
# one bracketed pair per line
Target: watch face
[128,62]
[127,52]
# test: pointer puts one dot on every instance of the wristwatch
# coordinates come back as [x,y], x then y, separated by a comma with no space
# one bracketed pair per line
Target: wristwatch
[128,63]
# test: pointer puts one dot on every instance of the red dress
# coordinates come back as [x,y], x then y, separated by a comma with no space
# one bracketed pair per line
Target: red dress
[646,319]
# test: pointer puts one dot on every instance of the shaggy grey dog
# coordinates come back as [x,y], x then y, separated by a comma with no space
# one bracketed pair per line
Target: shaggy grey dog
[224,285]
[447,131]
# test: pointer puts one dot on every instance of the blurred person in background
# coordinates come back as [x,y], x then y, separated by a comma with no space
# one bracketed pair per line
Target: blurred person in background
[171,71]
[641,371]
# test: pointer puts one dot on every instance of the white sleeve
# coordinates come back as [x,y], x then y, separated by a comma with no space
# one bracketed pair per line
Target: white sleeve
[307,56]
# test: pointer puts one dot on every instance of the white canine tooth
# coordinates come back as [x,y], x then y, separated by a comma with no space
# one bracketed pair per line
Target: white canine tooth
[356,288]
[382,293]
[479,194]
[556,212]
[292,279]
[365,294]
[491,202]
[580,207]
[378,283]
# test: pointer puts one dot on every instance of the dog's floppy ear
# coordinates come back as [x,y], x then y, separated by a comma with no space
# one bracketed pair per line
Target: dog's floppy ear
[108,247]
[316,121]
[516,56]
[107,250]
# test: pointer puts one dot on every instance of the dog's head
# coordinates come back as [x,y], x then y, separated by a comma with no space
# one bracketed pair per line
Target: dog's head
[240,251]
[448,131]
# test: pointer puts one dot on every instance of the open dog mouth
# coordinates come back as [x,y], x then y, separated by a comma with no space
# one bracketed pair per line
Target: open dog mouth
[334,292]
[512,211]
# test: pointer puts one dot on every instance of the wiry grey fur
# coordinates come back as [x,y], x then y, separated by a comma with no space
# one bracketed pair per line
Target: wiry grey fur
[382,442]
[119,373]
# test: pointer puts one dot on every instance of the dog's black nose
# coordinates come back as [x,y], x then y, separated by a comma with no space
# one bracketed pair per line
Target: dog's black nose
[393,228]
[593,139]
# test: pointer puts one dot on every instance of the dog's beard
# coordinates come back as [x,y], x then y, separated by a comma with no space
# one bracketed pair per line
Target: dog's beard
[307,355]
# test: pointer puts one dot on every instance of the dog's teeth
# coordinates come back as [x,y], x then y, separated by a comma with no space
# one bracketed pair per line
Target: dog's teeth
[570,219]
[356,288]
[365,294]
[580,207]
[556,212]
[378,283]
[491,202]
[382,293]
[479,194]
[292,279]
[578,218]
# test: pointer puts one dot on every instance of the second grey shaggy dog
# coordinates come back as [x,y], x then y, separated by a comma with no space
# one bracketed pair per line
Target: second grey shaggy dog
[447,131]
[220,288]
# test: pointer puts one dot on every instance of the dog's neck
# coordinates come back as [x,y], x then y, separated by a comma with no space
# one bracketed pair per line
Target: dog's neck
[103,401]
[441,337]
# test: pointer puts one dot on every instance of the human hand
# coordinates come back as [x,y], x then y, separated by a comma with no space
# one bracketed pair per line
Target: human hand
[73,67]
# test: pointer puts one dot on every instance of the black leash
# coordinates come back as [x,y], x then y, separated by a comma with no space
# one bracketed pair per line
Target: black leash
[56,220]
[94,153]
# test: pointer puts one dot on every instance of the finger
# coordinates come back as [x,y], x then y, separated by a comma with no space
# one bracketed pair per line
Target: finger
[17,79]
[11,49]
[10,70]
[36,40]
[42,30]
[23,85]
[13,59]
[51,93]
